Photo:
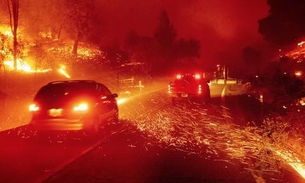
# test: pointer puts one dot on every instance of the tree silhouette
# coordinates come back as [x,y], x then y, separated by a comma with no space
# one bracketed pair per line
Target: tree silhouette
[79,14]
[187,48]
[285,23]
[132,40]
[252,59]
[165,33]
[141,49]
[162,52]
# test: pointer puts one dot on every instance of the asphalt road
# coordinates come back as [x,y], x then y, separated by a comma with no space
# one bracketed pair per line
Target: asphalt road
[153,142]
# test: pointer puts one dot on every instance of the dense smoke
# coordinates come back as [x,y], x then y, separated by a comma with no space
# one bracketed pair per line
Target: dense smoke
[224,28]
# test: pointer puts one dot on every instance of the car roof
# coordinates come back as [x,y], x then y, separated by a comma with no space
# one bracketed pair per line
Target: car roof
[71,81]
[62,87]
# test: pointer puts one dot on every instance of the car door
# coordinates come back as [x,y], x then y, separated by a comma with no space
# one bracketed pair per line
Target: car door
[107,101]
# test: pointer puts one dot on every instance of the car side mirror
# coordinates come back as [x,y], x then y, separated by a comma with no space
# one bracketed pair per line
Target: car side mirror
[110,96]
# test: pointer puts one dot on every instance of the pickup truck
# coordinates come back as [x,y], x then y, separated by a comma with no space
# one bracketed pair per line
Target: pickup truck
[189,86]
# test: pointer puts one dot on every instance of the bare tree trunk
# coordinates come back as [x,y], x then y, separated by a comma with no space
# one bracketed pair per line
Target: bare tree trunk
[59,31]
[75,45]
[13,10]
[15,45]
[15,6]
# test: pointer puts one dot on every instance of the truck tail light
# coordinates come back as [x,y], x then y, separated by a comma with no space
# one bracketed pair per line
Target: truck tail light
[197,76]
[199,89]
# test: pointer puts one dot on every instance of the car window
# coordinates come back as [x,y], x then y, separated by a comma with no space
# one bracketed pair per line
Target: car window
[103,90]
[64,90]
[187,79]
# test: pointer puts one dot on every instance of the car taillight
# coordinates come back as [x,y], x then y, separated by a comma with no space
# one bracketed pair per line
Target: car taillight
[199,89]
[178,76]
[81,107]
[33,107]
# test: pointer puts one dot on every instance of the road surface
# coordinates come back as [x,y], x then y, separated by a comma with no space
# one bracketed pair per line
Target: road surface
[153,142]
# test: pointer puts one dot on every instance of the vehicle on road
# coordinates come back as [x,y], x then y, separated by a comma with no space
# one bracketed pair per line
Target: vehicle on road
[189,86]
[73,105]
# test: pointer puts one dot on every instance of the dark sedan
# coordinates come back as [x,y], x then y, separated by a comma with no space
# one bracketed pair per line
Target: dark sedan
[73,105]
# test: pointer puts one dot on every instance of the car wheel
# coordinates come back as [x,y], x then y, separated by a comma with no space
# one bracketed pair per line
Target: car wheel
[115,117]
[208,98]
[93,129]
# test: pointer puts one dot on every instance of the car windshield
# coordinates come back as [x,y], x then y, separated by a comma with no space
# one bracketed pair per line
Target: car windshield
[187,79]
[64,90]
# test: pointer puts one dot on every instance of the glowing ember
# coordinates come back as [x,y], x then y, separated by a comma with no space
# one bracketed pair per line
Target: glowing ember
[191,130]
[88,52]
[293,161]
[63,71]
[298,53]
[300,44]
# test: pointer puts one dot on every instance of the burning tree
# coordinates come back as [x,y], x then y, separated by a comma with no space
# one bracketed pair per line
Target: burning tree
[79,14]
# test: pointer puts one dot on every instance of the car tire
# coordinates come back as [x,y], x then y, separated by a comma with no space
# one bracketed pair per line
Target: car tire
[116,117]
[94,129]
[207,98]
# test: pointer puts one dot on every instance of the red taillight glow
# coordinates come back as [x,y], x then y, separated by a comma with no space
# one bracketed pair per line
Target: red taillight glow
[33,108]
[199,89]
[197,76]
[179,76]
[81,107]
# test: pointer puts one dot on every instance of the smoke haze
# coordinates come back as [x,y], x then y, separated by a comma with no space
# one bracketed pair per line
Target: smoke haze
[224,27]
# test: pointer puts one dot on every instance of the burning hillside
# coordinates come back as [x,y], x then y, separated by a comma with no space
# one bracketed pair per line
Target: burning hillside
[41,56]
[298,53]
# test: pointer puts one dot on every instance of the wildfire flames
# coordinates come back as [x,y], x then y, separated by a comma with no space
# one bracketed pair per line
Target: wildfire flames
[23,66]
[59,50]
[85,53]
[298,53]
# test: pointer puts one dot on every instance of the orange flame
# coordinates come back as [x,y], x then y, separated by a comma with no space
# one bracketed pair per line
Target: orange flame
[62,70]
[22,66]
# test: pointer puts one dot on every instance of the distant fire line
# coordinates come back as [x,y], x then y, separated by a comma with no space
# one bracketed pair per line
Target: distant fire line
[23,66]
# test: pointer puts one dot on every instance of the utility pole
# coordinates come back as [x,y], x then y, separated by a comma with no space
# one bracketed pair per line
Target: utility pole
[225,74]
